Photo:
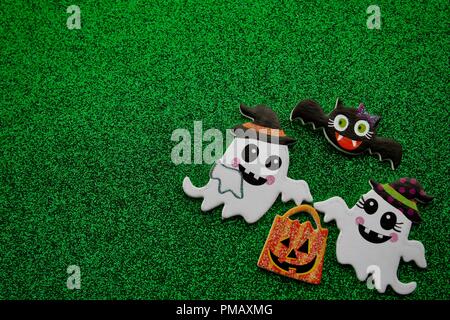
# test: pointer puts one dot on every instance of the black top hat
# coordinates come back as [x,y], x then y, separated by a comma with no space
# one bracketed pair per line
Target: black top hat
[403,194]
[265,126]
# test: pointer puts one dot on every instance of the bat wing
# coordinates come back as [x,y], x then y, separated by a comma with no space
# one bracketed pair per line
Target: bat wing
[387,149]
[309,111]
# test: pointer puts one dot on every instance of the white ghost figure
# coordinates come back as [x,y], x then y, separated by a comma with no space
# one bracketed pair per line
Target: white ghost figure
[250,175]
[374,236]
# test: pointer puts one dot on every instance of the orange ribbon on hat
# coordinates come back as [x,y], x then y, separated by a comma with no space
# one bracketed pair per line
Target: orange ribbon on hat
[266,130]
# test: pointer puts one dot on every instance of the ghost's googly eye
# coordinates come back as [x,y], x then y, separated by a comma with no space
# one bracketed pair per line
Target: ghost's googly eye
[388,220]
[250,153]
[370,206]
[340,122]
[361,128]
[273,162]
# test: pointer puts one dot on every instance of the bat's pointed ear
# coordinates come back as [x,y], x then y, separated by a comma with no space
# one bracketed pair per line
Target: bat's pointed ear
[339,104]
[376,121]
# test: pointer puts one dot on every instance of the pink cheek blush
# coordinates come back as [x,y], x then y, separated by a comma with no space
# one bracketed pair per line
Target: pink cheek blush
[270,180]
[394,237]
[359,220]
[235,162]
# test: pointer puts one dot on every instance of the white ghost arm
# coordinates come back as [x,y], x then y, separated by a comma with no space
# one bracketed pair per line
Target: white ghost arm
[297,190]
[414,250]
[334,209]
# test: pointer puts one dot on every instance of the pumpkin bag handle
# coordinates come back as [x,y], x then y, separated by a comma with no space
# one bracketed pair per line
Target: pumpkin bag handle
[305,208]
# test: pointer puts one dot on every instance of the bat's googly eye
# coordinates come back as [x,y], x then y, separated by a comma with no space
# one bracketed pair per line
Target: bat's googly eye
[273,162]
[340,122]
[362,127]
[370,206]
[250,153]
[388,221]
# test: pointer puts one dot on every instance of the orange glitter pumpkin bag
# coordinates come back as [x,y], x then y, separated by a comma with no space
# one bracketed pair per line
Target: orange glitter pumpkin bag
[295,249]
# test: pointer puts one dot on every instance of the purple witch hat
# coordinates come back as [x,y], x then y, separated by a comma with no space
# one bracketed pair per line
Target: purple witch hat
[403,194]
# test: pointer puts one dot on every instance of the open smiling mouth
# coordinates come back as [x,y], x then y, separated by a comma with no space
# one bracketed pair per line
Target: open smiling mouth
[347,143]
[372,236]
[285,266]
[249,177]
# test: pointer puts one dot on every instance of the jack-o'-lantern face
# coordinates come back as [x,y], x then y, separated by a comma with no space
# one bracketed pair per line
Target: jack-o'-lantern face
[296,254]
[294,249]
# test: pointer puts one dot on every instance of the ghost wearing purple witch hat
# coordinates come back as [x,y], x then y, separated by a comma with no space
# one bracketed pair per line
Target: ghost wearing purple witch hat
[374,233]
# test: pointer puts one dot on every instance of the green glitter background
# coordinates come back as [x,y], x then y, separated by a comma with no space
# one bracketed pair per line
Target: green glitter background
[87,115]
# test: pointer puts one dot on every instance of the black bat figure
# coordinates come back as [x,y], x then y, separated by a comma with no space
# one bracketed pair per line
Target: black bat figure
[350,130]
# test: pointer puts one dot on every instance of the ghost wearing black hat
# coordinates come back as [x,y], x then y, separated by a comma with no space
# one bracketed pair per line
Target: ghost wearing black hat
[253,170]
[374,233]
